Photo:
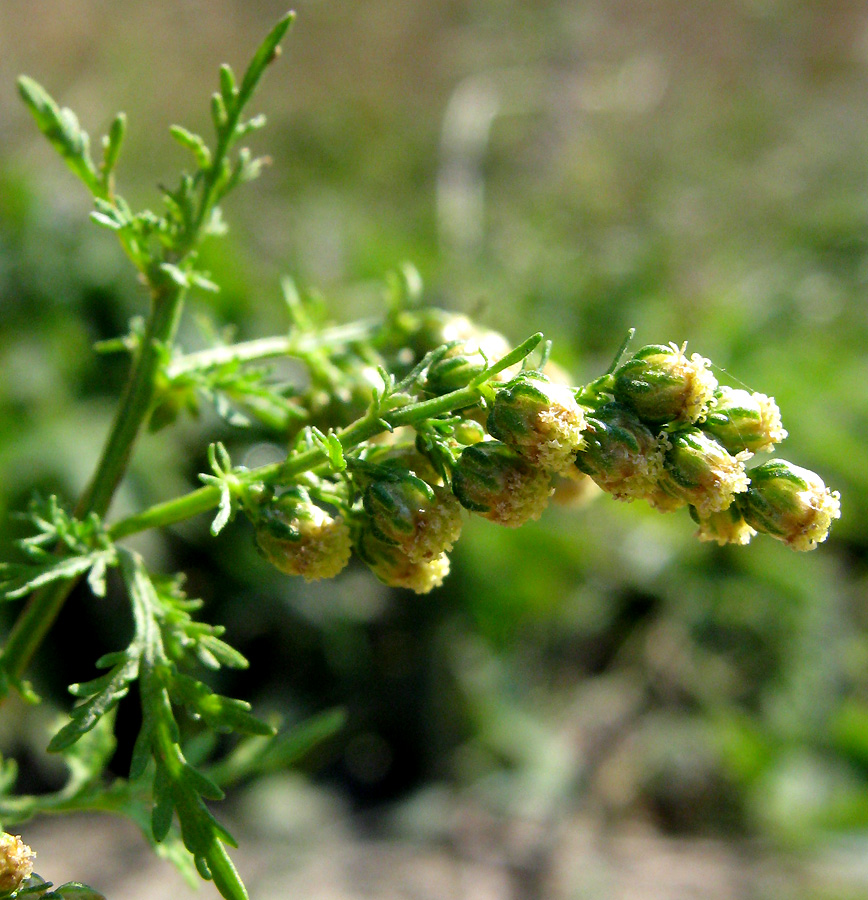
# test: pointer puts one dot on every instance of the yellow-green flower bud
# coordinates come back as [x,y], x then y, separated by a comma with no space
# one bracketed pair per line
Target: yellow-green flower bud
[741,420]
[453,372]
[469,432]
[663,386]
[299,538]
[698,471]
[499,484]
[395,569]
[542,421]
[620,453]
[477,349]
[407,512]
[726,527]
[790,503]
[16,862]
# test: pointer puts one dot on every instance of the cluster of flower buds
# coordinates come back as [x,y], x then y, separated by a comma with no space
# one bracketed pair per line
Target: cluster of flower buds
[16,863]
[658,428]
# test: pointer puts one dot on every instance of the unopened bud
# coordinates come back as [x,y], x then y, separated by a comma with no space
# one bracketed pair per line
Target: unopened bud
[542,421]
[726,527]
[499,484]
[663,386]
[478,348]
[299,538]
[469,432]
[453,372]
[16,862]
[698,471]
[620,453]
[395,569]
[790,503]
[407,512]
[741,420]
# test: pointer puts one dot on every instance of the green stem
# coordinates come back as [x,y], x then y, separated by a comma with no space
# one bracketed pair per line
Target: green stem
[207,498]
[42,609]
[268,348]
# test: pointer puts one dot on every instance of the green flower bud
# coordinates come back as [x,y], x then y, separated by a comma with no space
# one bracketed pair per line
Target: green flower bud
[396,569]
[663,386]
[539,419]
[407,512]
[741,420]
[698,471]
[469,432]
[620,453]
[477,348]
[299,538]
[453,372]
[790,503]
[16,862]
[726,527]
[499,484]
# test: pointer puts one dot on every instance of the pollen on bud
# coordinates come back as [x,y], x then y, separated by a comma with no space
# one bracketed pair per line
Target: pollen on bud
[395,569]
[699,471]
[493,480]
[663,386]
[741,420]
[726,527]
[541,420]
[299,538]
[406,512]
[790,503]
[621,454]
[16,862]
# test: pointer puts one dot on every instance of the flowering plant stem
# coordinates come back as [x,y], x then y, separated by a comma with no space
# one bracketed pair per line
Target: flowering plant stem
[44,606]
[206,498]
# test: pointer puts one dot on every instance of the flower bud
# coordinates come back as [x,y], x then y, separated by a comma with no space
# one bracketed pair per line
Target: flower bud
[453,372]
[299,538]
[741,420]
[790,503]
[663,386]
[477,349]
[16,862]
[494,481]
[469,432]
[620,453]
[407,512]
[395,569]
[698,471]
[726,527]
[542,421]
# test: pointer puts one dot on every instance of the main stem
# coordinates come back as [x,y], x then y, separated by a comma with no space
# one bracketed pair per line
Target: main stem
[44,606]
[206,498]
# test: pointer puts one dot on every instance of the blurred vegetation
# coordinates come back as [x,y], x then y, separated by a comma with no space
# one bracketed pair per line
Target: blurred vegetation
[696,171]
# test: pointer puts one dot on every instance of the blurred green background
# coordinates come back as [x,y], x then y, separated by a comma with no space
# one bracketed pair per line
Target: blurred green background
[698,171]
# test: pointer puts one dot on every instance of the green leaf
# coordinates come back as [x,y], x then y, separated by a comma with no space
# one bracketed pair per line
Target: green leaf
[19,580]
[266,54]
[228,87]
[61,128]
[511,358]
[102,695]
[112,146]
[194,143]
[74,890]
